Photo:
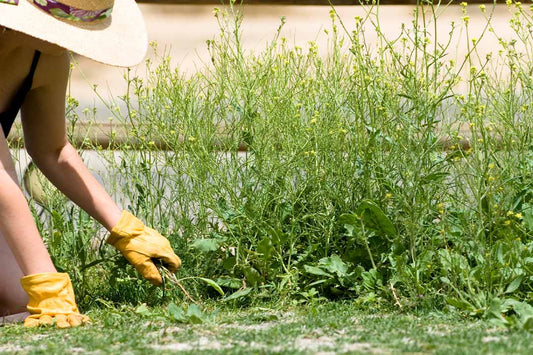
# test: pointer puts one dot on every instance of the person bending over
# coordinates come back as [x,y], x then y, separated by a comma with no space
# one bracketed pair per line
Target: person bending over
[35,37]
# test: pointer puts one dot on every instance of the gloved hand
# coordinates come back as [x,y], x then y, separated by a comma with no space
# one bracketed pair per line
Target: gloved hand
[51,297]
[140,244]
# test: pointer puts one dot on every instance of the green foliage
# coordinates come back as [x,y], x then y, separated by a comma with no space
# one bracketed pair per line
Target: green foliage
[191,314]
[342,188]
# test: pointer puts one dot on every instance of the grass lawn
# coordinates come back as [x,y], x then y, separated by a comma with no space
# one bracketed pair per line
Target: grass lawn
[332,328]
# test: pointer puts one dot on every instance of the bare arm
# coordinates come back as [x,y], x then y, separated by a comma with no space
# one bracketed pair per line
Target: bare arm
[43,121]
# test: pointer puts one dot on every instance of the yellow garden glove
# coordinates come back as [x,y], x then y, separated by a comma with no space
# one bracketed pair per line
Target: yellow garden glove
[140,245]
[51,298]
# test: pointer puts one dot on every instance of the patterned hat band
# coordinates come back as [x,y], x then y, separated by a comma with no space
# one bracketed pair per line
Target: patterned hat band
[66,12]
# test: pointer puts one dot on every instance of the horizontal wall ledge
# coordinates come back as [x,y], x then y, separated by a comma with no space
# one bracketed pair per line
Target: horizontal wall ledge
[114,136]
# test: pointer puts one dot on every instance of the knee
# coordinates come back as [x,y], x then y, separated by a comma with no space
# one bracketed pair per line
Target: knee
[13,300]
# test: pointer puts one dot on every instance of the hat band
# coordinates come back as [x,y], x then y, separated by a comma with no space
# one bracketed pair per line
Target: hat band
[70,13]
[66,12]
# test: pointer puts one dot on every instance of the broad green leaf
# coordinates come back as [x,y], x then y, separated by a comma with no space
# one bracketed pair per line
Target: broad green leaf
[229,263]
[495,312]
[238,294]
[335,265]
[205,245]
[514,285]
[528,324]
[176,313]
[523,309]
[375,219]
[313,270]
[194,314]
[143,310]
[252,275]
[233,283]
[372,280]
[212,284]
[445,260]
[460,304]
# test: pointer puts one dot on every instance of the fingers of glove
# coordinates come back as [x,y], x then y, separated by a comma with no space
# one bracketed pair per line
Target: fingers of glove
[76,319]
[149,271]
[171,261]
[46,320]
[31,322]
[165,252]
[72,320]
[62,321]
[69,320]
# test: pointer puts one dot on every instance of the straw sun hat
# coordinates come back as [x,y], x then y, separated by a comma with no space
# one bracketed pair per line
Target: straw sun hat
[108,31]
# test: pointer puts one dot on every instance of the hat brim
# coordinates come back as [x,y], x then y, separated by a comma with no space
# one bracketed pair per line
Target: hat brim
[119,40]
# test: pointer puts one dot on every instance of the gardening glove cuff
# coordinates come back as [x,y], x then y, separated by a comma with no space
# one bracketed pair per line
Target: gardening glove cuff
[51,297]
[140,245]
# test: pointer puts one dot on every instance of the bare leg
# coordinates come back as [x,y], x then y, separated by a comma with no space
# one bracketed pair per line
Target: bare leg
[16,221]
[13,299]
[22,251]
